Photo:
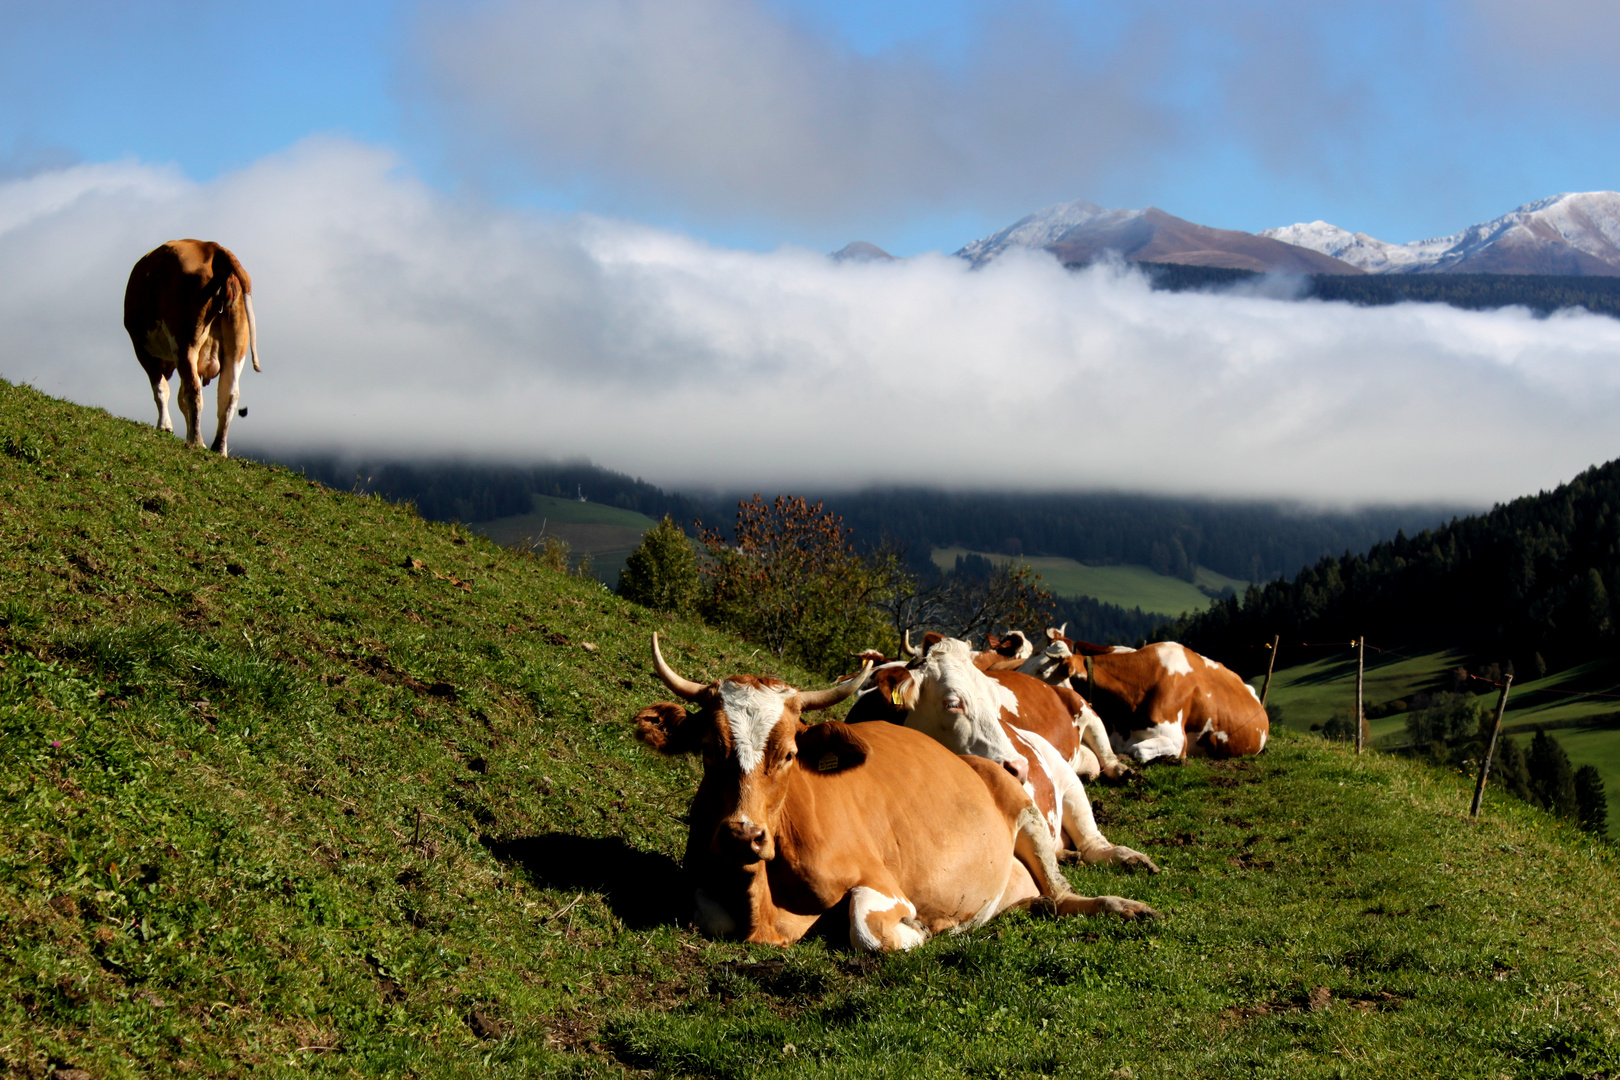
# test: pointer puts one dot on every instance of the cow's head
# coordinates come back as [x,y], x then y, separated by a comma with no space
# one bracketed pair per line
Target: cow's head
[960,706]
[753,742]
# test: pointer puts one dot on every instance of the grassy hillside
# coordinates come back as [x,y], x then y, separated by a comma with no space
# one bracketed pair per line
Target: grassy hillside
[1125,585]
[293,783]
[606,533]
[1587,727]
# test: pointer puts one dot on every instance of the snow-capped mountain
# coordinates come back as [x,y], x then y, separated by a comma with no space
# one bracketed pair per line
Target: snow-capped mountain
[1576,234]
[1079,232]
[1037,230]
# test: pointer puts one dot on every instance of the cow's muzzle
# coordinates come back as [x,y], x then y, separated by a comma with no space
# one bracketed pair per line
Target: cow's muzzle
[744,839]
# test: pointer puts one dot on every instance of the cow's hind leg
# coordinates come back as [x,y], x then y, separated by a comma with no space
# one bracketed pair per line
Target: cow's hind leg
[880,922]
[160,394]
[190,395]
[230,378]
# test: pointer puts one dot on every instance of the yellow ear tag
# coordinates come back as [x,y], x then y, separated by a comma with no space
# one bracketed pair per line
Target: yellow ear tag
[828,763]
[897,696]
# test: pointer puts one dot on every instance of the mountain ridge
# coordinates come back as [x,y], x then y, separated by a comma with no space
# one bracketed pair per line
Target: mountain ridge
[1570,234]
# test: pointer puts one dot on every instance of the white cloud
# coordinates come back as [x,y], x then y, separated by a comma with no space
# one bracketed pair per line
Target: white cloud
[395,321]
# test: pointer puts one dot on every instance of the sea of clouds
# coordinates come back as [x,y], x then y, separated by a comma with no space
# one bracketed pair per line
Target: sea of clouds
[397,320]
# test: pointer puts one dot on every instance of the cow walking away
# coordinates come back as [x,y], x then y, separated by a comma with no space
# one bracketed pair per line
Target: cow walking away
[188,309]
[792,820]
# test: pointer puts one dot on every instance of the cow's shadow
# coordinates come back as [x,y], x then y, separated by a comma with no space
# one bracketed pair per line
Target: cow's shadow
[642,888]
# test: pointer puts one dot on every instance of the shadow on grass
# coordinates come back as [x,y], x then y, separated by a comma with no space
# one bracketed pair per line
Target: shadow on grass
[642,888]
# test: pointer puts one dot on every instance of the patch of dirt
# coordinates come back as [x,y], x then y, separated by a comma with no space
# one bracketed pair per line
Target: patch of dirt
[1248,861]
[1315,999]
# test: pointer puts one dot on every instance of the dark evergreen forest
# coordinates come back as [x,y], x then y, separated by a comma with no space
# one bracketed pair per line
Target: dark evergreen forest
[1541,293]
[1532,583]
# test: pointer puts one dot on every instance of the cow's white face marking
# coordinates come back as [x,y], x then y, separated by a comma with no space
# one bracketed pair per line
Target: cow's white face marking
[753,713]
[959,705]
[1173,657]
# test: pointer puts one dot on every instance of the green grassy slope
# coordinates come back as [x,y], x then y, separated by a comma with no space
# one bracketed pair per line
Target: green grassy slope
[293,783]
[1126,586]
[1587,727]
[607,534]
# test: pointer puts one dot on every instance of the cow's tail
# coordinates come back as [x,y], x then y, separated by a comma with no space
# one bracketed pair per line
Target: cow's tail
[236,279]
[253,330]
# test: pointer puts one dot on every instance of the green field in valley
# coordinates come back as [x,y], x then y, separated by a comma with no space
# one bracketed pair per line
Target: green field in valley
[1127,586]
[295,784]
[1588,727]
[607,534]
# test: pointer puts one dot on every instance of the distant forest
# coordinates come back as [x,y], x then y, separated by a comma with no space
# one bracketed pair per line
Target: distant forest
[1250,541]
[1541,293]
[1533,583]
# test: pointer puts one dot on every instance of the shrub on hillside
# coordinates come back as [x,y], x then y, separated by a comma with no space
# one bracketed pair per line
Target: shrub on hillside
[662,572]
[793,583]
[1445,720]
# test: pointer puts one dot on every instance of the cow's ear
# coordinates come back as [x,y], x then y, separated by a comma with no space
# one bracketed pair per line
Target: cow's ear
[668,728]
[829,747]
[897,686]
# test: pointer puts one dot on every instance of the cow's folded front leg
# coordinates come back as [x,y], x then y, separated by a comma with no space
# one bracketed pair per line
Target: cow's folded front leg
[879,922]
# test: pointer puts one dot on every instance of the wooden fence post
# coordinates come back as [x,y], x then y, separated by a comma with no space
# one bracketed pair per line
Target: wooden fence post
[1361,668]
[1265,687]
[1490,749]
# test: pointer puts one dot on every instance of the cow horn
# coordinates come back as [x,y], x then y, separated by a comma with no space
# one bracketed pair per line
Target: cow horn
[911,650]
[1063,628]
[825,699]
[684,688]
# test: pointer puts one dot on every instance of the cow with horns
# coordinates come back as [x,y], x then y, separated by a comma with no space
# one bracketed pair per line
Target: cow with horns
[793,820]
[188,308]
[1007,718]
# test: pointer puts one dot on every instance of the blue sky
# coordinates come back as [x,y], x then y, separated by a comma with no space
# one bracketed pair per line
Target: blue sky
[1403,120]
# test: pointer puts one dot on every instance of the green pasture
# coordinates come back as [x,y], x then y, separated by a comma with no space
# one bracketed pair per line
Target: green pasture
[294,784]
[1587,727]
[1127,586]
[608,534]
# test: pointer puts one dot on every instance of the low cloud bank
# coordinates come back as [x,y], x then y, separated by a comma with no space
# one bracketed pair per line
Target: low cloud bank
[396,321]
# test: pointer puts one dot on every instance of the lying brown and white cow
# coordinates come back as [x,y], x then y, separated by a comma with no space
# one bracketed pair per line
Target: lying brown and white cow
[1162,700]
[1072,727]
[996,716]
[188,307]
[791,820]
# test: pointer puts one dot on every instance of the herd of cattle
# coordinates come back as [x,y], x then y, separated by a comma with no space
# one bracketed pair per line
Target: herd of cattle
[956,809]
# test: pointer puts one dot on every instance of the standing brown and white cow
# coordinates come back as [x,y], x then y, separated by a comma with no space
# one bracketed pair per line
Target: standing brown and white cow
[189,309]
[791,820]
[1162,700]
[969,711]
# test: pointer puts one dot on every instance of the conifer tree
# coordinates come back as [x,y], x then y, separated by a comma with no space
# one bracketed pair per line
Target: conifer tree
[1591,802]
[1552,779]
